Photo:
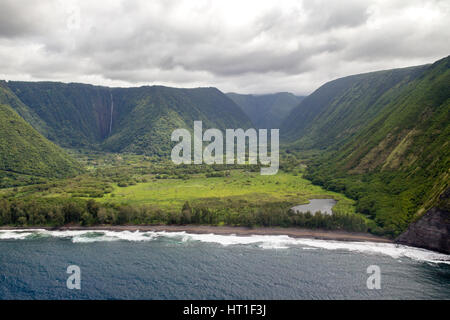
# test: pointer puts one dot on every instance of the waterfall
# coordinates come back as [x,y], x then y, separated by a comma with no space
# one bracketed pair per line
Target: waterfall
[112,109]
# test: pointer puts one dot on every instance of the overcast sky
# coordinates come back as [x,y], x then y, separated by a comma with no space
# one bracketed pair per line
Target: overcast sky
[242,46]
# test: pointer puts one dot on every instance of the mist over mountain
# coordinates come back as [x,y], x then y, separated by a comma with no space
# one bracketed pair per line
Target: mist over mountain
[266,110]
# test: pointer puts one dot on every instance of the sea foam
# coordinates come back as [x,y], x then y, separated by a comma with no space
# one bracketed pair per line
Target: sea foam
[261,241]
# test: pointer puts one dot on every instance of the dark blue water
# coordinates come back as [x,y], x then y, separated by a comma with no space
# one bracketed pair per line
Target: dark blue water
[201,267]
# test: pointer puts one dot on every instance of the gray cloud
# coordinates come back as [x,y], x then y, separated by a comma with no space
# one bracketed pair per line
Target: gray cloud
[244,46]
[14,21]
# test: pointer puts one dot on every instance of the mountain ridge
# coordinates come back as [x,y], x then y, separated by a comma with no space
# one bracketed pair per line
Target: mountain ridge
[397,163]
[335,110]
[82,115]
[26,155]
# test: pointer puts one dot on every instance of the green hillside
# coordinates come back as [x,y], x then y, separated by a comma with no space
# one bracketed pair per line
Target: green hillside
[137,120]
[382,138]
[24,153]
[152,113]
[7,97]
[267,110]
[395,156]
[337,110]
[74,114]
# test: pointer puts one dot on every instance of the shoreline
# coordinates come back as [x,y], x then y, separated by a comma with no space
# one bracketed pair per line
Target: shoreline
[336,235]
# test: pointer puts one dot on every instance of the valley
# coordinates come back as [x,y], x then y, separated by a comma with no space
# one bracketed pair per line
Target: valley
[132,189]
[377,143]
[200,155]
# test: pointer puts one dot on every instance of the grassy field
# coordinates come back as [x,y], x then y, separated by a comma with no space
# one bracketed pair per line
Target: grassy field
[138,181]
[244,187]
[130,189]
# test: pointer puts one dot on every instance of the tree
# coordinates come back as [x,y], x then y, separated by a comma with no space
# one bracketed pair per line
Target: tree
[186,213]
[105,215]
[92,207]
[72,212]
[5,212]
[57,216]
[87,219]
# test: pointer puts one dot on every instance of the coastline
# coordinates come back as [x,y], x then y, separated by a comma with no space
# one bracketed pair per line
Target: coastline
[336,235]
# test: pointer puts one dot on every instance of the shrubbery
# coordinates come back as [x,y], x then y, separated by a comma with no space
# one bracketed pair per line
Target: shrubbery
[89,212]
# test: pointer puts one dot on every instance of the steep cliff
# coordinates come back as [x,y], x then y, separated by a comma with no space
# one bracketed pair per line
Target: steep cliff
[396,161]
[24,152]
[431,232]
[138,120]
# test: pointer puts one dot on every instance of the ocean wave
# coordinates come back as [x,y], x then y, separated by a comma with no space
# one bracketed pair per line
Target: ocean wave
[262,241]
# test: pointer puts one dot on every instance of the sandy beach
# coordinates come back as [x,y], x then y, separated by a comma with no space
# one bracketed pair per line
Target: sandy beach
[242,231]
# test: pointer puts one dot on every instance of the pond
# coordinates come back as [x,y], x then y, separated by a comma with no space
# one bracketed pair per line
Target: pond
[314,205]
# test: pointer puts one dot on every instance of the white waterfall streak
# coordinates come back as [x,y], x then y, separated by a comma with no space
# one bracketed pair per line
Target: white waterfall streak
[112,110]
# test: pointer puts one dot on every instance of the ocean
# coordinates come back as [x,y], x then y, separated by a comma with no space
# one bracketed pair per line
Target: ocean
[178,265]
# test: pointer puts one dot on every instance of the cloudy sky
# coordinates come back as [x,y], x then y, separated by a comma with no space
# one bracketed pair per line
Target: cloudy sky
[242,46]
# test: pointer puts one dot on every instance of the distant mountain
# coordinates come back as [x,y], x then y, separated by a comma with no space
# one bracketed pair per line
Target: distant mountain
[25,152]
[386,137]
[138,120]
[267,110]
[148,115]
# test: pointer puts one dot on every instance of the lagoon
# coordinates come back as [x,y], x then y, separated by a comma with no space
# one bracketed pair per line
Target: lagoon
[323,205]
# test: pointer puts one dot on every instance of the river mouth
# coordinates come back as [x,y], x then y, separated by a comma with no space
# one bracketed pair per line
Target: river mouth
[323,205]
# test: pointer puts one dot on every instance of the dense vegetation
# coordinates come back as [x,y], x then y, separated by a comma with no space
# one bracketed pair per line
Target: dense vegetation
[266,111]
[339,109]
[73,115]
[378,143]
[134,189]
[156,111]
[398,163]
[26,156]
[88,213]
[138,120]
